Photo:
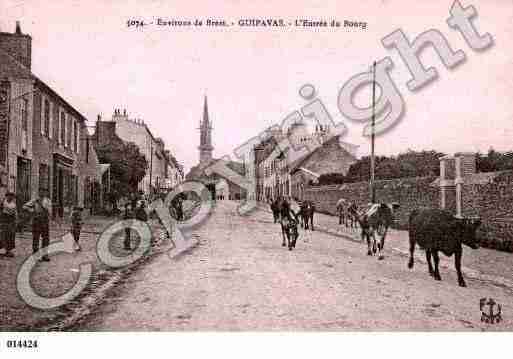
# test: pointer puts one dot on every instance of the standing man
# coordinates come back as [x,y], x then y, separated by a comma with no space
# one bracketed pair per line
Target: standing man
[8,216]
[76,226]
[140,213]
[41,209]
[128,215]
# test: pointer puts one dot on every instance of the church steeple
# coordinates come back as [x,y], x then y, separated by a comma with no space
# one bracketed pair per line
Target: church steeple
[205,128]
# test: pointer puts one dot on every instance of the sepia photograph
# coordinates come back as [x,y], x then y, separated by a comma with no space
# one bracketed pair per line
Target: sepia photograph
[336,168]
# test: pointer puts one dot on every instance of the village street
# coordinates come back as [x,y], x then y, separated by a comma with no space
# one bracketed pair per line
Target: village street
[239,277]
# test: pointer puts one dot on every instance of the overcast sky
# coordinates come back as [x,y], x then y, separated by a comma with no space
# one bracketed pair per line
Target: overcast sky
[84,50]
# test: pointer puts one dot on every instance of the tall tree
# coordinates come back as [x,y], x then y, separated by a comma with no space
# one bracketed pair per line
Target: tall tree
[127,167]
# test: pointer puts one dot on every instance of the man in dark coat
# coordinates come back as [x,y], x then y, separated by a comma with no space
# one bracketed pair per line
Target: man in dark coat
[127,216]
[8,217]
[40,208]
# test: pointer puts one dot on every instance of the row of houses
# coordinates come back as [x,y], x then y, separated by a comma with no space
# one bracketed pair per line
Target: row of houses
[164,172]
[45,145]
[44,141]
[278,174]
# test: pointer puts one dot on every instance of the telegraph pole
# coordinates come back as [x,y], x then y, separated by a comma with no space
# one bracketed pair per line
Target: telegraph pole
[372,164]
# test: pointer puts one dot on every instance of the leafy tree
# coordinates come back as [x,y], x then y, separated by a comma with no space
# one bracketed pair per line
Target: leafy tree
[407,164]
[127,167]
[494,161]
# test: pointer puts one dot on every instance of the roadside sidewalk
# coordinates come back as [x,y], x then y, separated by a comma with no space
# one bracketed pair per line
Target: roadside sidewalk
[52,279]
[482,264]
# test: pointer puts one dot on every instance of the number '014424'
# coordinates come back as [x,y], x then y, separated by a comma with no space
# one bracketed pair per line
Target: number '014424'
[22,344]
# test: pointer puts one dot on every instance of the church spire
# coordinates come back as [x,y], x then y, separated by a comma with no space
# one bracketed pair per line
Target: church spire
[205,146]
[206,121]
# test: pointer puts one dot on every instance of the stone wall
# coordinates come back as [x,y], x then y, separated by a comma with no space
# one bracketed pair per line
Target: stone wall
[410,193]
[493,202]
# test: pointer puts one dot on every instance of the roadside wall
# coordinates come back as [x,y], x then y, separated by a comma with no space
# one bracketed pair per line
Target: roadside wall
[492,202]
[410,193]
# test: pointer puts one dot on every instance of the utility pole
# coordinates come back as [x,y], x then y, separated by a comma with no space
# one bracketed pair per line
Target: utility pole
[151,163]
[372,164]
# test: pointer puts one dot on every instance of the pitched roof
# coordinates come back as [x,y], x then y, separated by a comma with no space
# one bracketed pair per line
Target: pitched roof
[300,161]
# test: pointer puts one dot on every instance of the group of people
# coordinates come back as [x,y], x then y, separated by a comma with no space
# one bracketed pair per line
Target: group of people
[137,209]
[40,210]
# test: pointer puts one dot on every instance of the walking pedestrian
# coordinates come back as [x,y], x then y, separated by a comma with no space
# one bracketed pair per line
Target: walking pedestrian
[76,226]
[127,216]
[40,208]
[8,218]
[140,213]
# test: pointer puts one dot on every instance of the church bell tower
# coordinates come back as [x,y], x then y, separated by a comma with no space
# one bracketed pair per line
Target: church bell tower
[205,128]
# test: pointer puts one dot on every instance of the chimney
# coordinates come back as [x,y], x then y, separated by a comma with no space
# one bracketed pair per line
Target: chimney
[17,45]
[99,117]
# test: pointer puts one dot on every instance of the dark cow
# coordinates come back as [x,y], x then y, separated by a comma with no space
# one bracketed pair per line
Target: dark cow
[276,210]
[288,224]
[307,213]
[376,219]
[437,230]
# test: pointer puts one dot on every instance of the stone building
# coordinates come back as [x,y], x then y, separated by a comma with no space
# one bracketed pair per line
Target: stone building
[280,175]
[174,172]
[44,142]
[135,130]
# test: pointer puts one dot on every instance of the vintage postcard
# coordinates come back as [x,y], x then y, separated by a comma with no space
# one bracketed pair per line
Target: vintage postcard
[293,166]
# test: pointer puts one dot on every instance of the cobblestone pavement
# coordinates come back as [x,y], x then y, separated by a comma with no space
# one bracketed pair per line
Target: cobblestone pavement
[241,278]
[48,279]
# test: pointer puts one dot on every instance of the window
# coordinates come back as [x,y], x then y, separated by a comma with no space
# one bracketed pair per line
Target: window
[75,136]
[56,121]
[46,118]
[62,137]
[69,130]
[44,180]
[24,114]
[87,149]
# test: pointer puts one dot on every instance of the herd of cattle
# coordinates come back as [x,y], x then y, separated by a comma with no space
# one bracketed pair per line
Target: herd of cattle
[434,230]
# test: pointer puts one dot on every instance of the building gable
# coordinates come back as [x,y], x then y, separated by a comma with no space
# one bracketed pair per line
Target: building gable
[329,158]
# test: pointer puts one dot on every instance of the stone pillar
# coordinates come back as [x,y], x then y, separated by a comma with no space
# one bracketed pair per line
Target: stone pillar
[442,179]
[458,181]
[465,167]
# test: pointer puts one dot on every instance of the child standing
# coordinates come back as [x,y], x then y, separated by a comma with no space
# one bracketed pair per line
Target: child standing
[76,226]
